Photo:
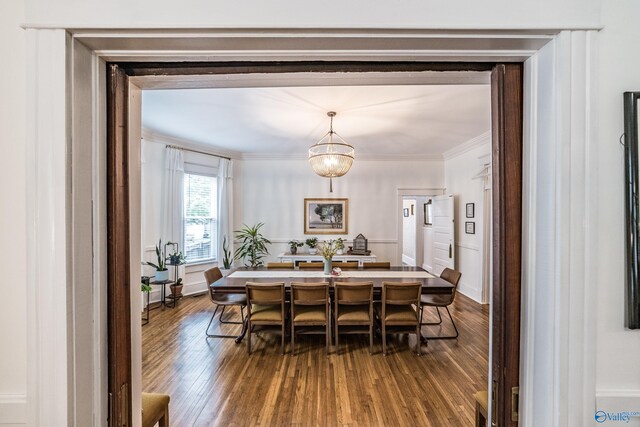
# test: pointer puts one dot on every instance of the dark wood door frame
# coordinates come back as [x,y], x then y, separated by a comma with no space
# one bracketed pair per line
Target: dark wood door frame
[507,114]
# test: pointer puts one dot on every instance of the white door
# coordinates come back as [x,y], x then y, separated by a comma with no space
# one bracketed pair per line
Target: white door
[443,235]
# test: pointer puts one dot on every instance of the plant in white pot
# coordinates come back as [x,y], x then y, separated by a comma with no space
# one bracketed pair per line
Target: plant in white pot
[339,244]
[162,273]
[312,242]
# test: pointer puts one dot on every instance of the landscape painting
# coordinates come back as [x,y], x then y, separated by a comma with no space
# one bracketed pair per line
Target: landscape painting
[325,216]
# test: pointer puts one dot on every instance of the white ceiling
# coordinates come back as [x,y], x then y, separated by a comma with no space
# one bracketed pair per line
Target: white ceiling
[380,121]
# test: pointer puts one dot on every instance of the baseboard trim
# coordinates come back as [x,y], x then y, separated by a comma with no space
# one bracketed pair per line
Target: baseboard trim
[187,289]
[13,409]
[469,291]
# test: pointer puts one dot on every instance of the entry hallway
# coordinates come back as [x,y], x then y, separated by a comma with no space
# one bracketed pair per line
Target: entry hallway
[214,382]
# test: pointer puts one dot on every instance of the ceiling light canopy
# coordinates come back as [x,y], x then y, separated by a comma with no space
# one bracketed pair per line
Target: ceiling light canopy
[331,157]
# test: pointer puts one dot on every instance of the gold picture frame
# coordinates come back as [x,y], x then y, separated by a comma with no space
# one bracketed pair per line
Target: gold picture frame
[326,216]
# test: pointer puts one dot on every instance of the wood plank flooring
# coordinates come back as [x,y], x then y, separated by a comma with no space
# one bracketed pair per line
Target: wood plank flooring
[214,382]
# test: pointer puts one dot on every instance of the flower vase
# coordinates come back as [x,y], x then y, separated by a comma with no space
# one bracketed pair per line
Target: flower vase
[327,266]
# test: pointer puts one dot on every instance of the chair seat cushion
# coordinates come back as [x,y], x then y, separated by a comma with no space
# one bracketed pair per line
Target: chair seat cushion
[398,313]
[353,313]
[266,313]
[310,313]
[436,300]
[153,407]
[230,299]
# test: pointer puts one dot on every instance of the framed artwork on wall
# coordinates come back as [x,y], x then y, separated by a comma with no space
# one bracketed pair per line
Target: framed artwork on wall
[470,227]
[405,212]
[471,210]
[428,212]
[326,216]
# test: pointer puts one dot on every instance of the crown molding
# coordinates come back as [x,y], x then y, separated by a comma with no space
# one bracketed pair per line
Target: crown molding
[153,136]
[478,141]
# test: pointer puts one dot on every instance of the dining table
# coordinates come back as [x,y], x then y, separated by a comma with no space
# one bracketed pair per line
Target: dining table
[235,282]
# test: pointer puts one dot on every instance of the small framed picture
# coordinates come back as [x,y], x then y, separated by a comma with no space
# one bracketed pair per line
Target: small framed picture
[405,212]
[471,210]
[470,227]
[428,213]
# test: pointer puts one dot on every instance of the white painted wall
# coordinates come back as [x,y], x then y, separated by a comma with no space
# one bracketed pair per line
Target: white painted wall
[13,317]
[618,350]
[329,14]
[153,166]
[265,187]
[409,233]
[458,178]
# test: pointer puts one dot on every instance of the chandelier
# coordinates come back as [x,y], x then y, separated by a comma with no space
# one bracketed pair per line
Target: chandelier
[331,157]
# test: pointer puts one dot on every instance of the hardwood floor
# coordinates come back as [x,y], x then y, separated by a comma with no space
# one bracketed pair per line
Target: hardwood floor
[214,382]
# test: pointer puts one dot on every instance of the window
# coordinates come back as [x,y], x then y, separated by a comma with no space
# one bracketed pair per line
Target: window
[200,217]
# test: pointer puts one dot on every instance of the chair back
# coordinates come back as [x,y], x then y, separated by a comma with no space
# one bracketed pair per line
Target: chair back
[285,265]
[353,293]
[265,294]
[309,293]
[311,265]
[345,265]
[401,293]
[212,275]
[453,277]
[378,265]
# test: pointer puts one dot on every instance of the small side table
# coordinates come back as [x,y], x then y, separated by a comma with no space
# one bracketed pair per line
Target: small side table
[145,318]
[163,292]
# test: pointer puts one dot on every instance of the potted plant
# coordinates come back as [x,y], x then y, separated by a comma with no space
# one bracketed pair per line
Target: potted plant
[253,245]
[162,273]
[328,250]
[294,245]
[227,258]
[312,242]
[339,244]
[176,289]
[176,258]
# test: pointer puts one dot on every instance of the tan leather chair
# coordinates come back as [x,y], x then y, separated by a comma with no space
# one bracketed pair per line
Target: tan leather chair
[349,265]
[399,310]
[155,409]
[353,306]
[319,265]
[377,265]
[310,306]
[443,300]
[267,308]
[222,300]
[284,265]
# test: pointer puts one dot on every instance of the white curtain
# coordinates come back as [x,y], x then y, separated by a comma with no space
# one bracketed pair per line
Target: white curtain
[173,204]
[225,205]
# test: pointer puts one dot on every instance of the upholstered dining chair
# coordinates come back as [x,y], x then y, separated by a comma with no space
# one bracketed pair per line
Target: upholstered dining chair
[318,265]
[283,265]
[443,301]
[399,310]
[267,309]
[377,265]
[348,265]
[222,300]
[310,306]
[353,307]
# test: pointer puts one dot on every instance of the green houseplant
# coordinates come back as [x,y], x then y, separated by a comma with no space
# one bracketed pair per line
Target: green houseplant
[227,259]
[294,245]
[253,245]
[162,273]
[312,242]
[339,244]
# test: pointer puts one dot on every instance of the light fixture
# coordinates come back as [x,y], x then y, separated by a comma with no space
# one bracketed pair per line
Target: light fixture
[331,157]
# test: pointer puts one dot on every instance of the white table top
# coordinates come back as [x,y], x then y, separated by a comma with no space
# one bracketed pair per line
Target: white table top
[380,274]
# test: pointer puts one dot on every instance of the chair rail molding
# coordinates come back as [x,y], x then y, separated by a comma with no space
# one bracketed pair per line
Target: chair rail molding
[558,152]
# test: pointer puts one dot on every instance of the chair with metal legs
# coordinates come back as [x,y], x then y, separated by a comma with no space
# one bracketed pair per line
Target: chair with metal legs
[223,300]
[443,301]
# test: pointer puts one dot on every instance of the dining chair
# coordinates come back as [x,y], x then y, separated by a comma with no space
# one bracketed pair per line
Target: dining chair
[443,301]
[283,265]
[353,308]
[378,265]
[266,309]
[399,311]
[222,300]
[310,306]
[348,265]
[318,265]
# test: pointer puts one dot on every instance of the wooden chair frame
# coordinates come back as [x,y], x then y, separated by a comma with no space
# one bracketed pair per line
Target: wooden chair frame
[338,301]
[281,301]
[389,287]
[380,265]
[295,302]
[282,265]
